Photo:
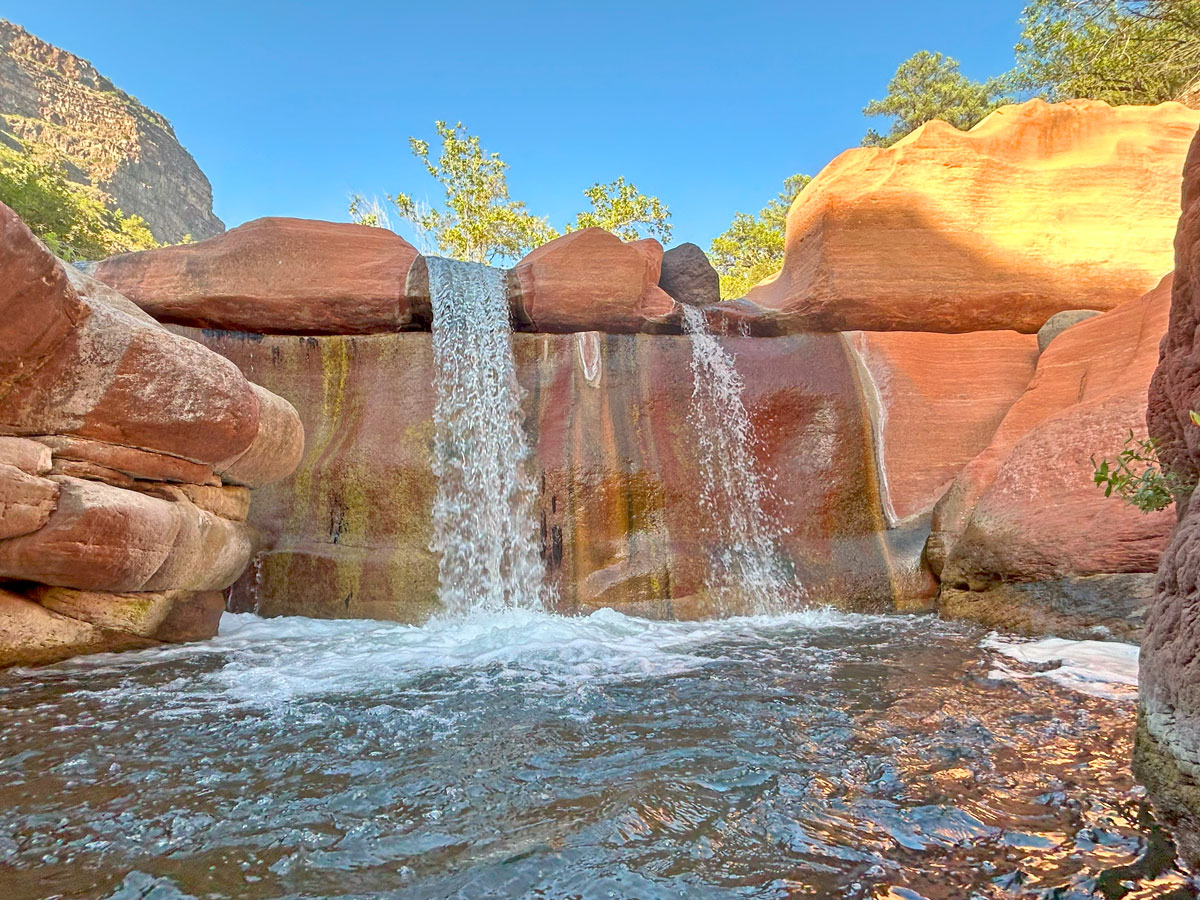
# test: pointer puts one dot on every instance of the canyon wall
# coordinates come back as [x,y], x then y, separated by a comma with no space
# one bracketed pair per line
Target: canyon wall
[53,99]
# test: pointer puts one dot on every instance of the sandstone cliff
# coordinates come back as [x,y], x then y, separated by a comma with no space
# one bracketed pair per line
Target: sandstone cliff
[51,98]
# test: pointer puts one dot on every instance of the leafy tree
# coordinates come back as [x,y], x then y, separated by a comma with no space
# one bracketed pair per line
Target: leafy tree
[481,223]
[751,248]
[68,217]
[1121,51]
[629,214]
[929,86]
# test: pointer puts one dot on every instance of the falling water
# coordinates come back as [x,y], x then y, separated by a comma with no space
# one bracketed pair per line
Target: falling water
[483,524]
[748,566]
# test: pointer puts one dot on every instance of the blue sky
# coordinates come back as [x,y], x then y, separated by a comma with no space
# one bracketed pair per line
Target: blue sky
[289,107]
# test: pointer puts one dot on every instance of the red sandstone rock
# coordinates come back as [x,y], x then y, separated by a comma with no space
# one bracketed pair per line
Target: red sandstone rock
[74,366]
[1026,508]
[616,453]
[1038,209]
[591,280]
[936,400]
[104,538]
[274,275]
[31,457]
[130,461]
[30,634]
[170,616]
[26,501]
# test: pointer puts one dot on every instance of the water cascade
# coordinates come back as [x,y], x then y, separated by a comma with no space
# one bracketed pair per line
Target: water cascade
[748,573]
[483,524]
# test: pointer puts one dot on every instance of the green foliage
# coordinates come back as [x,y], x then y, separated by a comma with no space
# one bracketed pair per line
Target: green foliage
[629,214]
[929,86]
[1121,51]
[69,218]
[1138,478]
[481,223]
[751,248]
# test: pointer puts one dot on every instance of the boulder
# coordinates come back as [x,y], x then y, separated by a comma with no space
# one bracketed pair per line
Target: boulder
[689,277]
[590,280]
[1039,208]
[1026,509]
[74,365]
[274,275]
[31,634]
[1060,322]
[1167,750]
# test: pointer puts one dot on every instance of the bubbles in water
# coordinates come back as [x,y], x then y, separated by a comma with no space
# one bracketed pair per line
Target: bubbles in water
[749,564]
[483,525]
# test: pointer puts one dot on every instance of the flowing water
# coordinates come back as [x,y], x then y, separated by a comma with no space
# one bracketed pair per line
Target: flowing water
[483,525]
[749,573]
[522,755]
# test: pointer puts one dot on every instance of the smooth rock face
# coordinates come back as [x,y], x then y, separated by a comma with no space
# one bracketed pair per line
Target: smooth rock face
[689,277]
[54,99]
[1026,508]
[1037,209]
[936,400]
[1060,322]
[1167,755]
[274,275]
[610,424]
[591,280]
[114,437]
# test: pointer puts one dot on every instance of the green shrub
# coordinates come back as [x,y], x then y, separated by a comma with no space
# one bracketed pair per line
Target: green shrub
[1138,477]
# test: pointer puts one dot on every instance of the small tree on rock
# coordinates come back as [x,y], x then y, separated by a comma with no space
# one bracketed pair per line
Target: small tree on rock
[929,86]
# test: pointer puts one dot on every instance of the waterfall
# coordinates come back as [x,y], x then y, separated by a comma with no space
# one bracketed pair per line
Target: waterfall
[483,524]
[748,573]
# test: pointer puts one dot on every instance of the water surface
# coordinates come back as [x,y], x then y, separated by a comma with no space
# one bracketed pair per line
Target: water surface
[519,755]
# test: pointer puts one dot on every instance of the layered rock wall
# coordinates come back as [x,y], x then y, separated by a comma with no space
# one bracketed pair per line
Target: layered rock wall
[126,458]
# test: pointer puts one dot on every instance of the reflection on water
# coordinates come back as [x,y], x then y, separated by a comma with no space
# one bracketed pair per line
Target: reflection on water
[524,756]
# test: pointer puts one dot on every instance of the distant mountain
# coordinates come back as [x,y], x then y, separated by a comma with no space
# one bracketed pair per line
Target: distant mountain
[52,98]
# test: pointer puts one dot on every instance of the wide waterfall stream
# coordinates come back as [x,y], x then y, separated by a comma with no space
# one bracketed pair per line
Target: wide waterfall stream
[504,752]
[483,512]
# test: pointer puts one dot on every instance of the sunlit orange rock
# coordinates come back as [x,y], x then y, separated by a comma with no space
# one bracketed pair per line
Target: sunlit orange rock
[292,276]
[1038,209]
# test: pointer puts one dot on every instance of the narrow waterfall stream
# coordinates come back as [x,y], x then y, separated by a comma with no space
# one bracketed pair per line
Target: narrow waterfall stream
[483,525]
[748,573]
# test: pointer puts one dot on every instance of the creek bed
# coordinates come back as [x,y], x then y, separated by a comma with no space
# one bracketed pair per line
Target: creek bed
[521,755]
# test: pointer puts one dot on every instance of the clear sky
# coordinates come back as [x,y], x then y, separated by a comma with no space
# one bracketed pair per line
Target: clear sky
[290,106]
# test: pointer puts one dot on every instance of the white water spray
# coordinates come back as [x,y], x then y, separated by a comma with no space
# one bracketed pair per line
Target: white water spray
[749,566]
[483,523]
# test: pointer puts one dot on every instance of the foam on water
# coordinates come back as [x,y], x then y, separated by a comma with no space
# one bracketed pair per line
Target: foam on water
[1106,669]
[749,565]
[271,661]
[483,525]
